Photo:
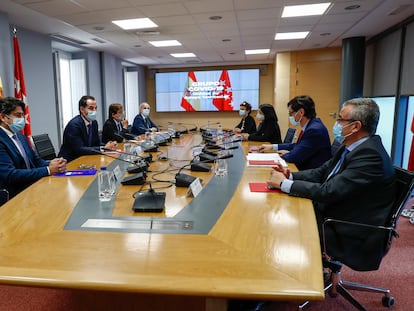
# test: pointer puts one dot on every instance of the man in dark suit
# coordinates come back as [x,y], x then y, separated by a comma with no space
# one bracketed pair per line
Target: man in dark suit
[81,136]
[356,185]
[116,126]
[142,122]
[313,146]
[20,166]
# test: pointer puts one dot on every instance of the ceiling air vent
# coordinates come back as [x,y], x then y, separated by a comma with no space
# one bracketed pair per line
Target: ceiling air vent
[399,9]
[98,40]
[67,39]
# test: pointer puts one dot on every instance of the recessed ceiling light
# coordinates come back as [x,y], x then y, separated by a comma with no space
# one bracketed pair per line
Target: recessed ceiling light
[257,51]
[99,28]
[165,43]
[182,55]
[291,35]
[226,40]
[215,17]
[352,7]
[325,34]
[305,9]
[135,23]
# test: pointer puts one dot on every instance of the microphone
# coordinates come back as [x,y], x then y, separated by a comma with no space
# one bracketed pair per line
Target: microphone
[140,165]
[137,179]
[184,180]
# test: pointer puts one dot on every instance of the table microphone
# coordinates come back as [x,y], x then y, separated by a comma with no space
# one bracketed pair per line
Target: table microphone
[137,179]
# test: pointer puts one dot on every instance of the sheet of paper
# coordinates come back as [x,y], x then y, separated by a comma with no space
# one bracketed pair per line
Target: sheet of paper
[264,159]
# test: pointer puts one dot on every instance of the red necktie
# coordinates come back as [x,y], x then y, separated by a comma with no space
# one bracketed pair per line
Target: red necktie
[300,135]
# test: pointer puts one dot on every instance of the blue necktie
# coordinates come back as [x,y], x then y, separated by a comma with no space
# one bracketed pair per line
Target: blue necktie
[22,151]
[339,163]
[90,134]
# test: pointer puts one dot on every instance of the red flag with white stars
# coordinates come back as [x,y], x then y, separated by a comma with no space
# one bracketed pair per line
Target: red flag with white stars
[223,95]
[20,88]
[189,102]
[411,159]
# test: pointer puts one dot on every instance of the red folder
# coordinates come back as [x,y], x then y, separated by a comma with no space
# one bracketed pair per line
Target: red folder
[261,162]
[261,187]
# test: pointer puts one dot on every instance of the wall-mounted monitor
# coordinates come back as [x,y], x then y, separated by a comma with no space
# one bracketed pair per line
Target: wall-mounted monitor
[212,90]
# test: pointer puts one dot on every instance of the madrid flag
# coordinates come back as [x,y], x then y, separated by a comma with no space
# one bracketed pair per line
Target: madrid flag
[223,96]
[188,101]
[411,159]
[20,87]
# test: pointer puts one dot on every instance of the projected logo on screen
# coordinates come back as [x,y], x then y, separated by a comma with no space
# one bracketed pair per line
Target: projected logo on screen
[220,90]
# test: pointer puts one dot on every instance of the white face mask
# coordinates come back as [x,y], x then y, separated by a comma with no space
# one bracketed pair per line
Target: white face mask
[259,116]
[146,112]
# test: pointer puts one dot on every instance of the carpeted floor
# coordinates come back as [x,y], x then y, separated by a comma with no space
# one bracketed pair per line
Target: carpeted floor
[396,273]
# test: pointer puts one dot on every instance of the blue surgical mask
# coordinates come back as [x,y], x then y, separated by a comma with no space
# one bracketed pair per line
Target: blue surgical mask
[17,125]
[293,121]
[242,113]
[259,116]
[145,112]
[337,132]
[91,115]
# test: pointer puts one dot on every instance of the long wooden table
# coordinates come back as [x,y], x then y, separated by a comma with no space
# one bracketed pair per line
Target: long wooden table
[260,246]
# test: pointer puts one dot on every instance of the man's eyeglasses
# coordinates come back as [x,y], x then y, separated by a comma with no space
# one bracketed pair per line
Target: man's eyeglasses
[291,113]
[345,120]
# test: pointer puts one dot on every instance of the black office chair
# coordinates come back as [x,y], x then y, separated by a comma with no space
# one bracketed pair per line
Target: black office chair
[290,135]
[379,242]
[44,146]
[4,196]
[335,146]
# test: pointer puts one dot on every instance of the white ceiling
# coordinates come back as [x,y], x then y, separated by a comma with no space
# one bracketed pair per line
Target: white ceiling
[248,24]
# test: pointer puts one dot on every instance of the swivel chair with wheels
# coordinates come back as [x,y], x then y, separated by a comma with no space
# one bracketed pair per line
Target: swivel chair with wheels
[4,196]
[290,135]
[378,243]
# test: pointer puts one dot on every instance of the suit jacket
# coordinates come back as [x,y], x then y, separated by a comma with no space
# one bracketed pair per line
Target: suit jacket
[14,175]
[110,132]
[140,126]
[75,139]
[362,191]
[249,125]
[267,131]
[312,149]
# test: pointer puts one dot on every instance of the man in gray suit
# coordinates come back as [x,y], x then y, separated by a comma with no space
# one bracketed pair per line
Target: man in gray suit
[356,185]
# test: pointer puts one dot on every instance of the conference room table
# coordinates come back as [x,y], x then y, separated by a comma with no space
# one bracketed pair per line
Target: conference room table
[225,243]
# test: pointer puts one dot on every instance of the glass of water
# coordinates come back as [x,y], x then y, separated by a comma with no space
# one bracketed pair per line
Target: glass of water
[220,167]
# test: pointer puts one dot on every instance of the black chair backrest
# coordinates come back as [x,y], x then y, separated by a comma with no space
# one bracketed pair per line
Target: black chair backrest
[404,184]
[290,135]
[44,146]
[4,196]
[335,146]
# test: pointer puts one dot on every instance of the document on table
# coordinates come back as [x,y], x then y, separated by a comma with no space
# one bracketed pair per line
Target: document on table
[264,159]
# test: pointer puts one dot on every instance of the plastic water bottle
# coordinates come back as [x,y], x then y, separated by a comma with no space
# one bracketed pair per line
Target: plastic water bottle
[171,130]
[105,185]
[219,133]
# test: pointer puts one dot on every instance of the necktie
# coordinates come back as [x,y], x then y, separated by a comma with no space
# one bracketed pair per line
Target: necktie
[22,151]
[119,127]
[300,135]
[339,163]
[147,122]
[90,134]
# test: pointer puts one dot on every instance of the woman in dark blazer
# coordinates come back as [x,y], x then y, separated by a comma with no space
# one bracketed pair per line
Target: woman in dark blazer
[268,129]
[247,123]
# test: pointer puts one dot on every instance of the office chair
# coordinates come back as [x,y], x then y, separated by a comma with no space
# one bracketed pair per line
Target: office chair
[380,240]
[4,196]
[290,135]
[335,146]
[44,146]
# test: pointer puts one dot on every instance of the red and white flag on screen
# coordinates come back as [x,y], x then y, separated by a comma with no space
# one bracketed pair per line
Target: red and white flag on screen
[20,87]
[411,158]
[223,96]
[188,101]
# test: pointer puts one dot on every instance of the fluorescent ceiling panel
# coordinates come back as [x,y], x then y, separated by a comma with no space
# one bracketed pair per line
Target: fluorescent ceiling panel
[305,9]
[181,55]
[291,35]
[165,43]
[135,23]
[257,51]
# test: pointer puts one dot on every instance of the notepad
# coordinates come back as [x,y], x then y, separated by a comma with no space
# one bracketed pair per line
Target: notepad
[261,187]
[264,159]
[77,173]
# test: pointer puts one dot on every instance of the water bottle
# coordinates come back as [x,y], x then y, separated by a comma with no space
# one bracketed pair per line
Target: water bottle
[105,185]
[219,133]
[208,128]
[171,130]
